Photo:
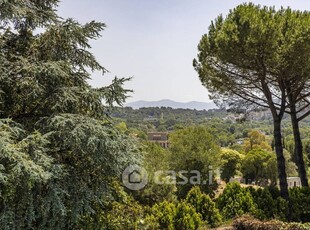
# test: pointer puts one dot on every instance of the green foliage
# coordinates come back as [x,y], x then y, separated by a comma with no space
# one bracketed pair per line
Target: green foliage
[300,204]
[122,127]
[204,206]
[122,213]
[164,214]
[291,168]
[193,148]
[186,217]
[282,208]
[24,14]
[169,216]
[155,158]
[250,38]
[255,140]
[235,201]
[26,171]
[242,60]
[259,165]
[231,163]
[269,207]
[229,50]
[59,151]
[172,118]
[120,216]
[67,168]
[265,203]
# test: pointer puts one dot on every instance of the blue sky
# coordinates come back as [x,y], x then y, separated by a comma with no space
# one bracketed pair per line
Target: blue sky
[154,41]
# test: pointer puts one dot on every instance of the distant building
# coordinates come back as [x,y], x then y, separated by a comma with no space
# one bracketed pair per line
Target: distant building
[293,182]
[159,137]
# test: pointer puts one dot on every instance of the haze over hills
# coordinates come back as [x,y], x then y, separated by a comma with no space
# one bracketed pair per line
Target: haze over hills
[173,104]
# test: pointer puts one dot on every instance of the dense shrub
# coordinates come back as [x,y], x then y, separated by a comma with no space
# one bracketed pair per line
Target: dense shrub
[116,216]
[164,214]
[268,207]
[204,205]
[271,205]
[235,201]
[122,216]
[169,216]
[300,204]
[274,191]
[121,213]
[154,158]
[186,217]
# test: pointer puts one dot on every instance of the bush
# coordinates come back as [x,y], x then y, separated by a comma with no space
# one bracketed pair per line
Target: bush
[235,201]
[164,214]
[170,217]
[186,217]
[268,207]
[271,205]
[205,206]
[300,204]
[121,213]
[116,216]
[274,191]
[282,208]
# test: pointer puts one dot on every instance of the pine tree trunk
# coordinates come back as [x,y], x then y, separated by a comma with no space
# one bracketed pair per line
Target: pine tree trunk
[280,159]
[298,151]
[298,148]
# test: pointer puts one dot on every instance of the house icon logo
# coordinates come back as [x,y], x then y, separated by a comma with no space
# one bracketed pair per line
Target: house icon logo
[134,177]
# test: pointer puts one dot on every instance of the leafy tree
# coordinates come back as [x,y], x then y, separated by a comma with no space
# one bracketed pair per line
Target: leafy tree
[155,159]
[59,151]
[271,168]
[193,148]
[256,139]
[122,127]
[255,165]
[231,163]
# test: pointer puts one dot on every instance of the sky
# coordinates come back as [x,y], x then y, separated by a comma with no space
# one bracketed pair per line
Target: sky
[154,41]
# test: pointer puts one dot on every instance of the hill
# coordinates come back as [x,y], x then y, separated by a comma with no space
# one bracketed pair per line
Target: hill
[172,104]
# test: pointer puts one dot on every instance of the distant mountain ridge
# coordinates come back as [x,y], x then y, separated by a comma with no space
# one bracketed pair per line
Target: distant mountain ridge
[173,104]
